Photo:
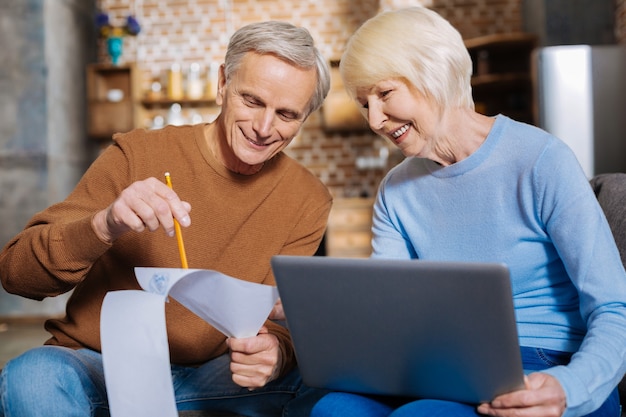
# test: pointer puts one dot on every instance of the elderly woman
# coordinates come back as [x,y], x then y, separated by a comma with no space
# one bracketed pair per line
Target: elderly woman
[480,188]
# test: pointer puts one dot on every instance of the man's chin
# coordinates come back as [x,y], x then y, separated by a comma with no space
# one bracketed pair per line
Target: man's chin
[251,165]
[257,157]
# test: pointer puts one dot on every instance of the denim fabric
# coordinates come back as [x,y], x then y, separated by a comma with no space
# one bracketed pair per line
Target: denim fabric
[55,381]
[339,404]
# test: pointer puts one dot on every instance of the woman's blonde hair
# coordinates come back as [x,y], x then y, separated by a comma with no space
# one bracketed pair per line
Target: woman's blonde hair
[414,44]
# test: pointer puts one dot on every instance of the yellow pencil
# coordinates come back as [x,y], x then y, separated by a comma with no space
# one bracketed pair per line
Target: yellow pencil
[179,235]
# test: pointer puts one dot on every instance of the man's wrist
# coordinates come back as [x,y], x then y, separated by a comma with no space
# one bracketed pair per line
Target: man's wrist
[280,361]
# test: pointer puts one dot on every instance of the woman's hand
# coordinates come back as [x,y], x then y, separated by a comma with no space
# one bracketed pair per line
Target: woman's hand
[542,397]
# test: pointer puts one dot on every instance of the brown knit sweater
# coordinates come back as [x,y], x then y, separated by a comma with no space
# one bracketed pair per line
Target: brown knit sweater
[237,223]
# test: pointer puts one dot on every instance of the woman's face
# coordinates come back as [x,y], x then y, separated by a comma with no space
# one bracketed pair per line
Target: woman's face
[396,110]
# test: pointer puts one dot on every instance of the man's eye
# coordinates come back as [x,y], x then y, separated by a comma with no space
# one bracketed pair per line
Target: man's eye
[251,101]
[288,116]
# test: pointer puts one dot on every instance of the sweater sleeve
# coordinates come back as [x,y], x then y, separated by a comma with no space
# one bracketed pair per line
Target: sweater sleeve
[305,239]
[58,246]
[308,232]
[390,219]
[579,230]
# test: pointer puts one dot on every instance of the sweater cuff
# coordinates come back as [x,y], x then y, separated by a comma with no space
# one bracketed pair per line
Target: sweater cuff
[285,345]
[82,243]
[573,388]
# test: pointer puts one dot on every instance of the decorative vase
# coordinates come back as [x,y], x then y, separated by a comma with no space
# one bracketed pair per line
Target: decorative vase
[114,48]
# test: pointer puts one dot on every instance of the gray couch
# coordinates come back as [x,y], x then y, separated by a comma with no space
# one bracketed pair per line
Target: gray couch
[610,190]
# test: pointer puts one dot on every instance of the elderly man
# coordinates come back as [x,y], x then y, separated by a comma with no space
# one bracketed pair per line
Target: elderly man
[250,201]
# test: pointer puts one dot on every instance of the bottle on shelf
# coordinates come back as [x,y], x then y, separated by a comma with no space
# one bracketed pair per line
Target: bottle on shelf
[175,82]
[194,82]
[155,92]
[211,83]
[175,115]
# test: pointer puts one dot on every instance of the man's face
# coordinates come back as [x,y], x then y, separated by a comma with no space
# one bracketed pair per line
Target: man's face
[263,107]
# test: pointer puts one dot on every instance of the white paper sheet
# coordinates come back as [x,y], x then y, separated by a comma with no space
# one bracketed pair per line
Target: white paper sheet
[135,351]
[134,345]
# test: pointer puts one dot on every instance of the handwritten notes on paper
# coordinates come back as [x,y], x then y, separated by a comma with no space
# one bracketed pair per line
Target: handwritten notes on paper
[135,349]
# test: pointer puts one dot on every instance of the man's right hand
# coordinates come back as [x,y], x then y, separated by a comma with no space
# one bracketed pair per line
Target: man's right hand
[147,204]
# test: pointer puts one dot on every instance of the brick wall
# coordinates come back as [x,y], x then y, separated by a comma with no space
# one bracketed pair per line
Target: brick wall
[478,18]
[189,31]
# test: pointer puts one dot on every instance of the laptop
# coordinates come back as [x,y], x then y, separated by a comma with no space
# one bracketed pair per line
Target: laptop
[410,328]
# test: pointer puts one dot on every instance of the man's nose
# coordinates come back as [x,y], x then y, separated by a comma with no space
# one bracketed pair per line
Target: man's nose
[263,122]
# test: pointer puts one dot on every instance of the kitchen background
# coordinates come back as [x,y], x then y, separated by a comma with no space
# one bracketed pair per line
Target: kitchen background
[49,46]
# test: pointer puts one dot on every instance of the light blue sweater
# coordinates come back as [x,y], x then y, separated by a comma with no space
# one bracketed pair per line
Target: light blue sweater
[522,199]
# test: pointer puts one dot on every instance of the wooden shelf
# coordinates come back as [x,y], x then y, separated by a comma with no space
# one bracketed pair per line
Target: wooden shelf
[111,100]
[185,102]
[502,81]
[499,80]
[130,107]
[503,40]
[339,112]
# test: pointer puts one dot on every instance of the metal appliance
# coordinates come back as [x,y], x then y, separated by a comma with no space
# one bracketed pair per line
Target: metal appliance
[580,95]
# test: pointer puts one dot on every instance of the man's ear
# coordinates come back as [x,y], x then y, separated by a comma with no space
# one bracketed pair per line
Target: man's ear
[221,83]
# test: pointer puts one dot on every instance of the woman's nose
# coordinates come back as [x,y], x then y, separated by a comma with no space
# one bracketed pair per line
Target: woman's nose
[375,116]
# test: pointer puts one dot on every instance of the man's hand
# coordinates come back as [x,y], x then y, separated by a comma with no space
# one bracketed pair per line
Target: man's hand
[255,361]
[147,204]
[542,397]
[277,312]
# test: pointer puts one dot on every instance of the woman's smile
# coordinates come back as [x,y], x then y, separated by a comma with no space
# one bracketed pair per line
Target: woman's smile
[401,131]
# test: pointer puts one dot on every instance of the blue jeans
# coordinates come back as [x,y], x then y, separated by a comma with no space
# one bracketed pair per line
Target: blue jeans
[55,381]
[340,404]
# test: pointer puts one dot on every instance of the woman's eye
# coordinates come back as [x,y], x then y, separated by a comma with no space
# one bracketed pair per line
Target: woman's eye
[385,93]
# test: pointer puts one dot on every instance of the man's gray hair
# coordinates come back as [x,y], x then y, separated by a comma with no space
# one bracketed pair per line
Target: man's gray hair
[286,41]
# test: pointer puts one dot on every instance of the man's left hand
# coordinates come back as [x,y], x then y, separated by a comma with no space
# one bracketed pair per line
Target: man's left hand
[255,361]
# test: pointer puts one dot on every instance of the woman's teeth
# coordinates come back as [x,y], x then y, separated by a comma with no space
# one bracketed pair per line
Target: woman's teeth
[400,131]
